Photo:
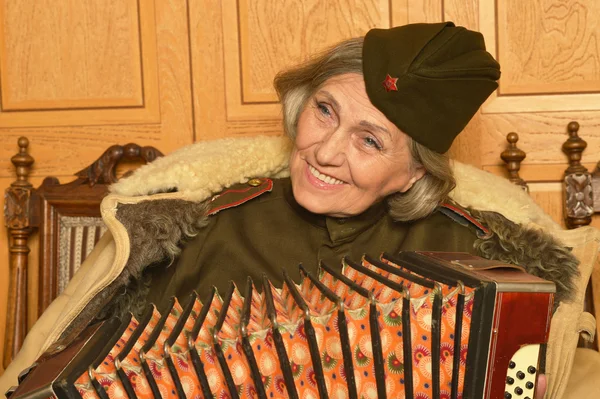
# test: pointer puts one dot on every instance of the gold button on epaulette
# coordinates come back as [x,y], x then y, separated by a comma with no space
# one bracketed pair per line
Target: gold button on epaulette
[254,182]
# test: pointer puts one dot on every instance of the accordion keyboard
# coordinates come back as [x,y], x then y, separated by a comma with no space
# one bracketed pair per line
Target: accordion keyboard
[522,373]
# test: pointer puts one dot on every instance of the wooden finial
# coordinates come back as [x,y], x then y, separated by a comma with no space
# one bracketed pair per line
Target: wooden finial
[579,201]
[22,162]
[574,147]
[513,156]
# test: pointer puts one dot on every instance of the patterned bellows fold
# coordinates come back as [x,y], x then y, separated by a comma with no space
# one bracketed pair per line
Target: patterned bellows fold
[415,325]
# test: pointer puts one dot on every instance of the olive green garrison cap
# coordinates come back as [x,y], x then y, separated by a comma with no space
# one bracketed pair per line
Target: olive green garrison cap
[428,79]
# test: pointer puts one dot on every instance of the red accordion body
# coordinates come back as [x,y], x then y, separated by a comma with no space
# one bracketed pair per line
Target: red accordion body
[417,325]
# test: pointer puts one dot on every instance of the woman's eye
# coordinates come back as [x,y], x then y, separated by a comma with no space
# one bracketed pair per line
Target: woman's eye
[323,109]
[371,142]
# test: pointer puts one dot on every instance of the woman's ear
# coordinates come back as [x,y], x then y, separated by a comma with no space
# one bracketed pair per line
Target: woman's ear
[417,175]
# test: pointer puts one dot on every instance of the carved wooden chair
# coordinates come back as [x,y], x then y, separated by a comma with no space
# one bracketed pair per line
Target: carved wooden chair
[67,217]
[581,199]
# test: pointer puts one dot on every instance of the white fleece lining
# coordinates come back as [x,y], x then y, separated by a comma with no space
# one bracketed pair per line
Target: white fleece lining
[205,168]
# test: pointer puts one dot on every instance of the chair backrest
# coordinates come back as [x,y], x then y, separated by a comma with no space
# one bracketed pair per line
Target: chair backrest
[68,219]
[581,200]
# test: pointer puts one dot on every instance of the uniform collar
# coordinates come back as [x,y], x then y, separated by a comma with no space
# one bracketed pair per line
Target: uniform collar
[339,229]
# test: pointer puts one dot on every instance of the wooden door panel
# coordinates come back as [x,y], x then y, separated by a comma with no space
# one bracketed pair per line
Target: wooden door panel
[98,63]
[272,36]
[238,47]
[548,47]
[549,55]
[78,63]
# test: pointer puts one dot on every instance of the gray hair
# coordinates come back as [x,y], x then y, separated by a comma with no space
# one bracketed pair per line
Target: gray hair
[294,88]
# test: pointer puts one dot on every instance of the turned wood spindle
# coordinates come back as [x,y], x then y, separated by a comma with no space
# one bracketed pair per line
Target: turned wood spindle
[16,215]
[574,147]
[513,156]
[578,184]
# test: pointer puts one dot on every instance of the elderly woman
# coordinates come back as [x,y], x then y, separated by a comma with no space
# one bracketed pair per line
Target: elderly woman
[370,121]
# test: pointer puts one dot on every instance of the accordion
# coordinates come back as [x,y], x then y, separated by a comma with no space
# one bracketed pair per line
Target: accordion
[412,325]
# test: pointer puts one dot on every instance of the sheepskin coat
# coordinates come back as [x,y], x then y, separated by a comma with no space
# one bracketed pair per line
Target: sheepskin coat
[173,190]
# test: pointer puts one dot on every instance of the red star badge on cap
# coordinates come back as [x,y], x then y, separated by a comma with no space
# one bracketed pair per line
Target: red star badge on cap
[390,83]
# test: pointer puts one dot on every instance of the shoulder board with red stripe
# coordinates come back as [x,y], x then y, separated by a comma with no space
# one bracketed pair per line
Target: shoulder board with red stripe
[239,194]
[462,216]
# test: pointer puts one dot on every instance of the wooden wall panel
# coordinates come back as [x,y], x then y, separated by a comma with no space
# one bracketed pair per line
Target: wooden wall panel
[66,63]
[273,36]
[462,12]
[99,63]
[425,11]
[549,47]
[543,51]
[238,47]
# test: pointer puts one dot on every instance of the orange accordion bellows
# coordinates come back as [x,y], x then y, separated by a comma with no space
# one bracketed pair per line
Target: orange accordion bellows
[415,325]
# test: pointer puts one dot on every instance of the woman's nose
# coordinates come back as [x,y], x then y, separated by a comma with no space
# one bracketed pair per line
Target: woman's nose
[331,150]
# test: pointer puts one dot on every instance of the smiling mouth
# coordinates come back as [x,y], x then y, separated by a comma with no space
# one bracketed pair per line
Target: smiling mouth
[322,177]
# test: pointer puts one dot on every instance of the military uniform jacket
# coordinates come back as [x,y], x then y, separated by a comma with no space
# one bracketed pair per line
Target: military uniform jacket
[151,214]
[257,228]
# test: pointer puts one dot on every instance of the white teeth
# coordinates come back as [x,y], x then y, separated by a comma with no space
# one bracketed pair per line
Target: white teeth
[322,177]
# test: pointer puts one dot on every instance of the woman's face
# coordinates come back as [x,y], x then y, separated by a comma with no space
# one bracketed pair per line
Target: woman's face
[347,155]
